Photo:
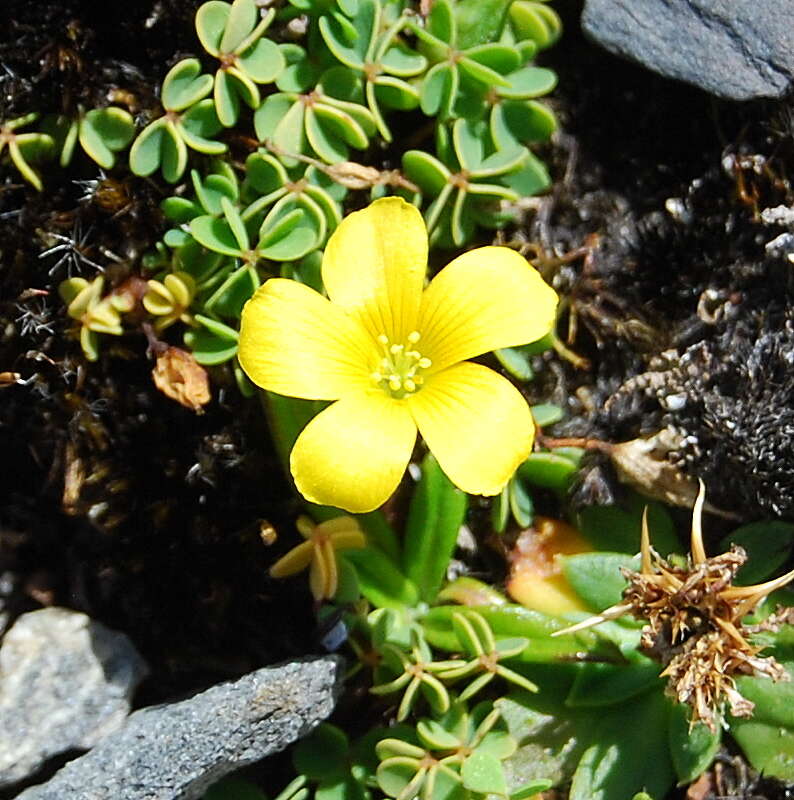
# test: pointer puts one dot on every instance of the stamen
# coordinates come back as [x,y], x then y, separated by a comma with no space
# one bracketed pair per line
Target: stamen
[398,370]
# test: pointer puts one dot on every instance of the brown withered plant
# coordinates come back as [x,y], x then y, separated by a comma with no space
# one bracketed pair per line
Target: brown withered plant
[694,623]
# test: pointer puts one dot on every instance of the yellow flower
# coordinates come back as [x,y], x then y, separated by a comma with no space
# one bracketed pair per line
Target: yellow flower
[393,357]
[318,553]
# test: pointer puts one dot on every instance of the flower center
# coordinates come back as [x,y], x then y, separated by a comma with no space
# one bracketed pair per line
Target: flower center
[399,370]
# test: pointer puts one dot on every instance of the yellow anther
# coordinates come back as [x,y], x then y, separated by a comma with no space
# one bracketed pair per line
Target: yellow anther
[397,371]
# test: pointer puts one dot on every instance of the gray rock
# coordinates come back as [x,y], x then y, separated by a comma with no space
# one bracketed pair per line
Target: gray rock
[180,749]
[737,49]
[65,683]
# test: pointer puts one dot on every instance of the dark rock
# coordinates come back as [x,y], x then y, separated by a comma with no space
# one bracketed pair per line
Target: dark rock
[65,683]
[180,749]
[736,49]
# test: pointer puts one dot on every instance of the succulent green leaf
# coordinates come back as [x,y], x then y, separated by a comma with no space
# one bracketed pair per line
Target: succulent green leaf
[176,237]
[531,178]
[768,546]
[516,361]
[173,153]
[105,131]
[502,162]
[533,20]
[208,345]
[529,82]
[500,509]
[382,583]
[481,73]
[628,752]
[64,132]
[180,209]
[617,528]
[467,138]
[226,97]
[233,788]
[436,513]
[547,414]
[204,265]
[522,506]
[327,204]
[479,21]
[236,224]
[403,62]
[242,19]
[265,173]
[599,685]
[212,189]
[497,57]
[287,234]
[145,151]
[298,73]
[426,171]
[30,146]
[597,577]
[467,634]
[479,683]
[435,736]
[198,124]
[360,114]
[516,122]
[210,23]
[228,300]
[548,470]
[184,85]
[215,234]
[396,774]
[461,226]
[439,87]
[263,62]
[482,772]
[441,22]
[328,146]
[692,747]
[768,747]
[531,789]
[350,50]
[395,93]
[323,754]
[272,111]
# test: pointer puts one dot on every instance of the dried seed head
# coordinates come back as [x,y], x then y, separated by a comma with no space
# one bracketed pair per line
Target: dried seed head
[694,623]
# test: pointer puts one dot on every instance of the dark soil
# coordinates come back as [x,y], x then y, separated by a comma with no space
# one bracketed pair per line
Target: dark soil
[118,502]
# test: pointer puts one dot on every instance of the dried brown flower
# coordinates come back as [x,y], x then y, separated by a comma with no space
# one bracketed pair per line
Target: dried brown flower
[694,623]
[178,376]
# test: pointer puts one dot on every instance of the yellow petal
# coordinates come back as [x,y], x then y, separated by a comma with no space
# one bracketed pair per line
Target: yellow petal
[485,299]
[295,342]
[294,561]
[374,266]
[353,454]
[476,424]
